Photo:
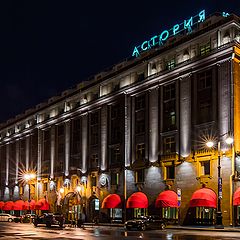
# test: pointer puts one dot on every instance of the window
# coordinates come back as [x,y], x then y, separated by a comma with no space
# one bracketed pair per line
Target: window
[60,130]
[75,144]
[140,114]
[171,64]
[116,124]
[140,122]
[139,176]
[169,92]
[94,128]
[204,96]
[94,181]
[115,155]
[140,152]
[169,106]
[94,160]
[140,102]
[169,145]
[205,80]
[205,167]
[140,76]
[170,172]
[205,49]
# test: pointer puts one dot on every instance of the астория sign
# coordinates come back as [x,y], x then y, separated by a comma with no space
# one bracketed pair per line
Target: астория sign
[164,35]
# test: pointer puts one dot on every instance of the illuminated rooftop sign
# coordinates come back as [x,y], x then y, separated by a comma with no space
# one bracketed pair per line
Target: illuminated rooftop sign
[165,34]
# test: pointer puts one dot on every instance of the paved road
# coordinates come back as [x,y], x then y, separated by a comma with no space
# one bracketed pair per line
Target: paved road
[22,231]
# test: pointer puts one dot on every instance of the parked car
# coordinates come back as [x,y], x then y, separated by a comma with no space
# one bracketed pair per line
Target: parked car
[146,222]
[5,217]
[49,219]
[27,218]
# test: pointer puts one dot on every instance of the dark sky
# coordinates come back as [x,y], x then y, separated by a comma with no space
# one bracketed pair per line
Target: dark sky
[49,46]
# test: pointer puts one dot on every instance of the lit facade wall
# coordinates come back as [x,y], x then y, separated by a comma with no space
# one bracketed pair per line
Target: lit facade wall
[168,151]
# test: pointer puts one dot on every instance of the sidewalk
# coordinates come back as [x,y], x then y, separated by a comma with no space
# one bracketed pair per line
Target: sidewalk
[174,227]
[204,228]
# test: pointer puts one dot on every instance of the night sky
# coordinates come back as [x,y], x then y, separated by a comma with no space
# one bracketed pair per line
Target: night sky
[49,46]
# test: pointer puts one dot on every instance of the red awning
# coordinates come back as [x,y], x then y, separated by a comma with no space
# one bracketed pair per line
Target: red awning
[204,197]
[8,206]
[137,200]
[33,204]
[42,204]
[1,205]
[236,197]
[112,201]
[19,205]
[167,198]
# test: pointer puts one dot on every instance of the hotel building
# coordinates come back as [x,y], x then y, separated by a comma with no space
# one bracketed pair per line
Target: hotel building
[131,140]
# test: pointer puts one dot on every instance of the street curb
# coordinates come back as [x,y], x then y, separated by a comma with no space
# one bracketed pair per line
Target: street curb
[205,229]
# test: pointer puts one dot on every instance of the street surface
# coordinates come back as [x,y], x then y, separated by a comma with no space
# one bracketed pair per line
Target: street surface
[28,231]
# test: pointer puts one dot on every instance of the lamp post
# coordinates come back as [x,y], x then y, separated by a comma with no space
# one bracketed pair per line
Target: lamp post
[28,177]
[210,144]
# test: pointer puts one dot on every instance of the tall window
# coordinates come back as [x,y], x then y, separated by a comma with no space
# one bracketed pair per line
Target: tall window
[204,96]
[75,143]
[116,133]
[169,107]
[60,148]
[94,161]
[140,114]
[46,151]
[115,155]
[116,115]
[94,128]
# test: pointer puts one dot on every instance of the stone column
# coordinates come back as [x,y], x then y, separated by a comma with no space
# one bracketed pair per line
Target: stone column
[67,147]
[185,116]
[27,152]
[52,131]
[153,125]
[103,143]
[84,142]
[127,113]
[17,161]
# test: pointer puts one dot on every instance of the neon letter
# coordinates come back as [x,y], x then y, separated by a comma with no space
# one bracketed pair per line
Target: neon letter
[142,46]
[175,29]
[201,16]
[153,40]
[163,38]
[135,52]
[188,23]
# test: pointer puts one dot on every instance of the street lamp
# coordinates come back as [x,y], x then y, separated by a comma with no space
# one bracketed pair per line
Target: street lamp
[210,144]
[28,176]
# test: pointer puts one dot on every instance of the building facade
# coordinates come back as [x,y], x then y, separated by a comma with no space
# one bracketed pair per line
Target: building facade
[131,140]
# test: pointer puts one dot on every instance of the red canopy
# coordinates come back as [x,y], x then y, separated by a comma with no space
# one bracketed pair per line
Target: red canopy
[8,206]
[167,198]
[42,204]
[137,200]
[112,201]
[236,197]
[18,205]
[204,197]
[33,204]
[1,205]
